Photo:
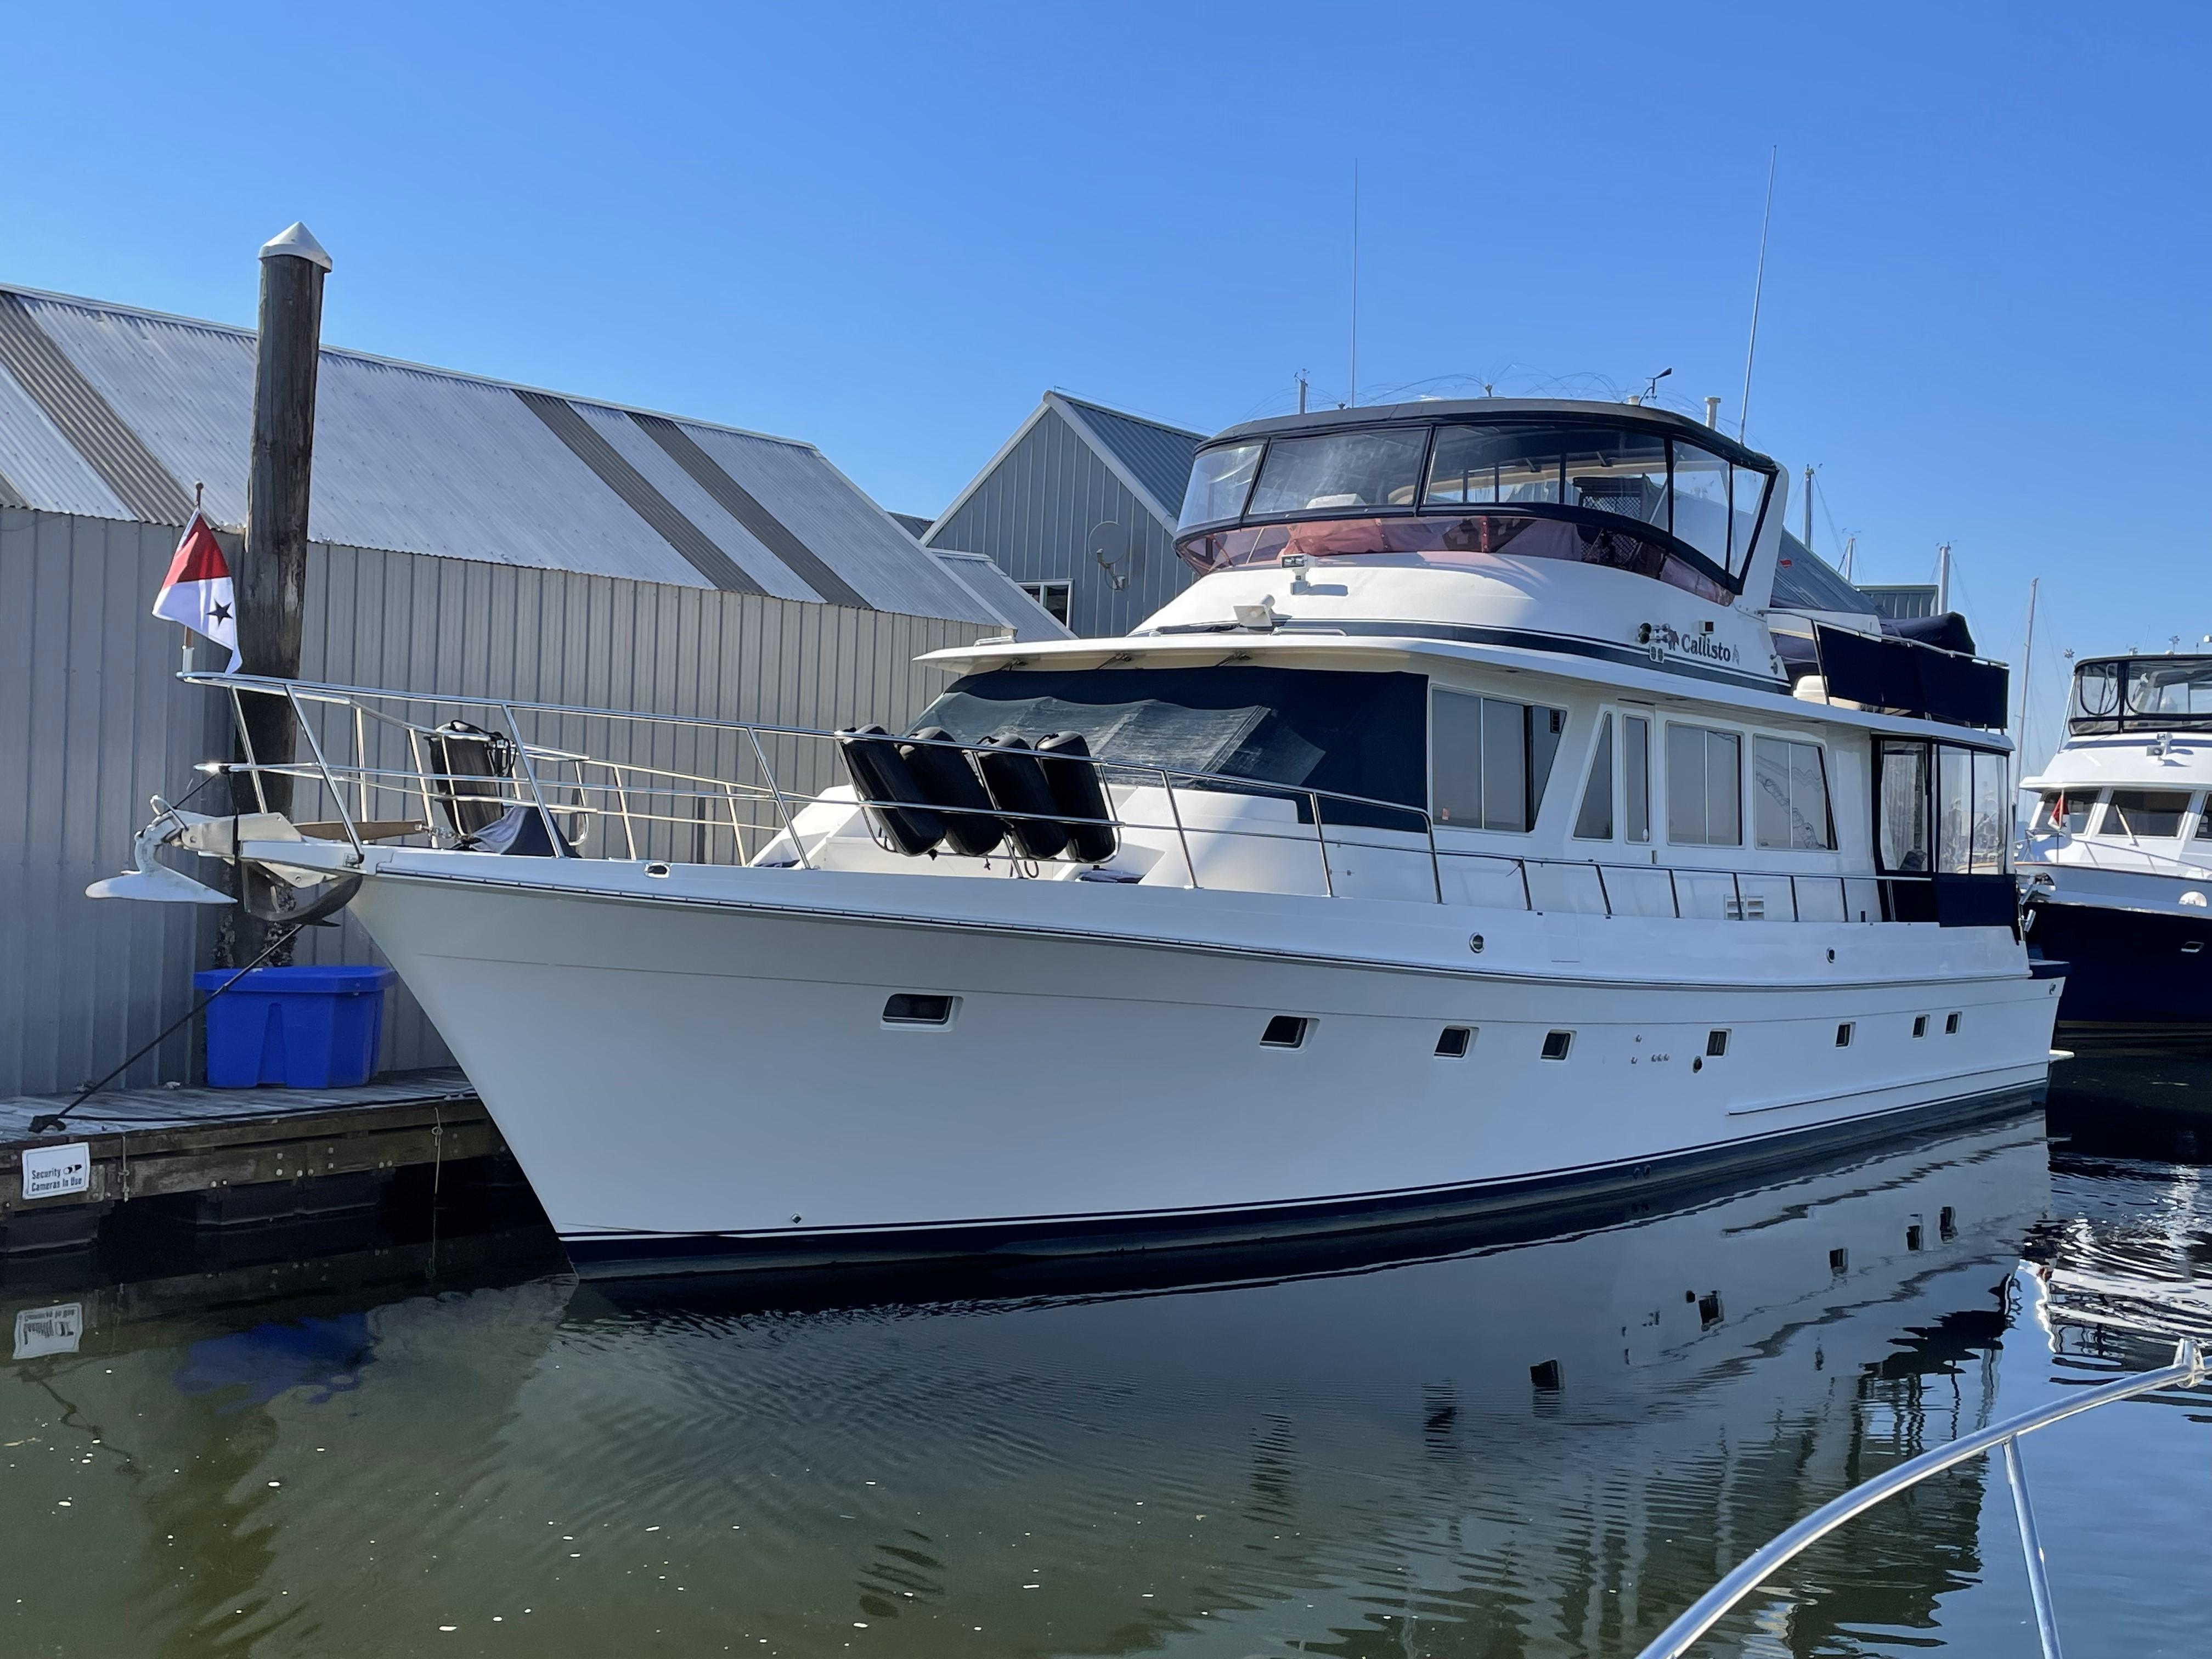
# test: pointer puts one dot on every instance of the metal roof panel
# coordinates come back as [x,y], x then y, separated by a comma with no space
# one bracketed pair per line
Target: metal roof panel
[847,531]
[1158,456]
[43,465]
[419,460]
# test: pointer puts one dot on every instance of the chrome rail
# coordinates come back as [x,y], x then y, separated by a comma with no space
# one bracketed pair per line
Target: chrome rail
[2187,1371]
[554,782]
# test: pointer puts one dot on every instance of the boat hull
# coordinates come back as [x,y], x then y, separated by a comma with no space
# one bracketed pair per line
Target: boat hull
[2129,966]
[707,1080]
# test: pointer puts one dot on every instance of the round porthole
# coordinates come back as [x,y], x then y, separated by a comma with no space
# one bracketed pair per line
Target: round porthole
[1474,943]
[1698,1064]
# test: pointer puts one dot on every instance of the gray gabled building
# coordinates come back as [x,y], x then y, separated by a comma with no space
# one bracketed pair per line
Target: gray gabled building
[468,535]
[1079,508]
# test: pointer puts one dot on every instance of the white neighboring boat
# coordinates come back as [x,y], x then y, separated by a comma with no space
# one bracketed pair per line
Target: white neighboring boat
[1458,843]
[2119,851]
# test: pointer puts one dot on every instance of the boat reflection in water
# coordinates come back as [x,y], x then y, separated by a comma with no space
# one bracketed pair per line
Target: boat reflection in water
[1550,1446]
[1546,1446]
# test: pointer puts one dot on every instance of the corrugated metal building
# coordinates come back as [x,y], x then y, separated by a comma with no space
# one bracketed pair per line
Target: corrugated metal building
[1079,507]
[1903,602]
[470,536]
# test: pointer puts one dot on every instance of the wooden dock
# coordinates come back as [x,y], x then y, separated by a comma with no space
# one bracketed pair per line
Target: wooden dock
[233,1157]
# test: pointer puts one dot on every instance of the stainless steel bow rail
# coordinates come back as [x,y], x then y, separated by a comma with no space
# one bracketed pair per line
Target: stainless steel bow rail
[2187,1371]
[704,791]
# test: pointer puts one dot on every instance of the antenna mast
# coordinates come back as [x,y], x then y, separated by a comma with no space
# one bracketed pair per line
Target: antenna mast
[1758,288]
[2027,662]
[1353,376]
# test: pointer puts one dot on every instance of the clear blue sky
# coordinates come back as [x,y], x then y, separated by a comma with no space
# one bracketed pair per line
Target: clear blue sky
[887,230]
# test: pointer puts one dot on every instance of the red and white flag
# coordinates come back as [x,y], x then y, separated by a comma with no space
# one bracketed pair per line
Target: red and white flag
[197,591]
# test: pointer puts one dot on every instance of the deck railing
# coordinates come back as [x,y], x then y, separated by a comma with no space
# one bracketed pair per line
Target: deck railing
[2188,1370]
[659,786]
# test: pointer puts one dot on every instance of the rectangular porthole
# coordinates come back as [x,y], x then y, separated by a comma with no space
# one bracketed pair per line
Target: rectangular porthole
[1716,1044]
[1947,1222]
[1709,1311]
[1920,1025]
[912,1008]
[1912,1236]
[1844,1035]
[1453,1042]
[1545,1376]
[1285,1032]
[1950,1025]
[1839,1262]
[1556,1044]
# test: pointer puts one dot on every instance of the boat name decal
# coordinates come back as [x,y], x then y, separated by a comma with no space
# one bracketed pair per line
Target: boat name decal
[1664,637]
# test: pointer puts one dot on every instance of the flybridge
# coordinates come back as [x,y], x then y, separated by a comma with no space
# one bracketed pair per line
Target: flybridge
[1632,489]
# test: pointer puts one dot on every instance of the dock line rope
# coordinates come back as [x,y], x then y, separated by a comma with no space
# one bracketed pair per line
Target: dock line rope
[48,1122]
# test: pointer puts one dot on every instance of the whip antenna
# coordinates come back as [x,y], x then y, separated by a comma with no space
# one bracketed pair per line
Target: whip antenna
[1758,288]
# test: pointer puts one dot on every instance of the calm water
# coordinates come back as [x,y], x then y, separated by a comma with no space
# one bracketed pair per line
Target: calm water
[1540,1448]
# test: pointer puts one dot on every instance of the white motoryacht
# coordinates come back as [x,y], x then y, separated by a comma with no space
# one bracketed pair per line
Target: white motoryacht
[2119,853]
[1462,841]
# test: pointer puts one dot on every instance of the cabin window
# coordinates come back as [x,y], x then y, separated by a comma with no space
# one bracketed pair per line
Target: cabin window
[2204,821]
[2146,814]
[1595,821]
[1636,777]
[1219,481]
[1340,471]
[2064,812]
[1354,733]
[1705,793]
[1672,484]
[1490,760]
[1970,812]
[1903,824]
[1790,796]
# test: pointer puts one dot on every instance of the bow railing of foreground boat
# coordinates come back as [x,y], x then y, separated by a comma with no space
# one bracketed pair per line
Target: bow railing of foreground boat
[555,785]
[2188,1370]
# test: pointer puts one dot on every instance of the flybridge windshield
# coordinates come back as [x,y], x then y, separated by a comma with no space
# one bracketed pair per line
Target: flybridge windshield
[1349,733]
[2142,694]
[1641,496]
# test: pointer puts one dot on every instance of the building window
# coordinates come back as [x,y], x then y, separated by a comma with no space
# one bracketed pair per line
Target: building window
[1790,796]
[1705,792]
[1051,597]
[1490,760]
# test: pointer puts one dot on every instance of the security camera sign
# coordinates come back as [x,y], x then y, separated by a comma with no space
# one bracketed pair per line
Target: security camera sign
[57,1171]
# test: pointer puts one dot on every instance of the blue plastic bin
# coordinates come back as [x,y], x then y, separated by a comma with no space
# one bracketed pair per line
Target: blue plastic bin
[305,1028]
